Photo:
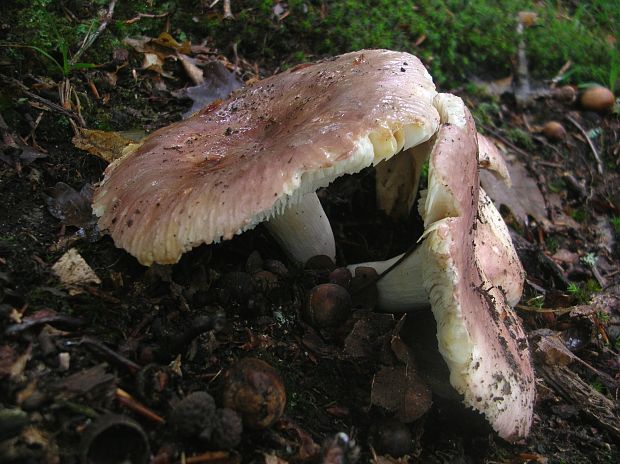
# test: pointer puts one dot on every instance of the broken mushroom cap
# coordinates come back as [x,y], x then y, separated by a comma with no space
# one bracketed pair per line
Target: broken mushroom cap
[468,269]
[402,288]
[495,252]
[250,158]
[480,337]
[398,178]
[491,159]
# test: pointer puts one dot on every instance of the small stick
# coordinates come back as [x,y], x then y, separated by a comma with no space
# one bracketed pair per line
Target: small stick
[227,11]
[44,101]
[505,141]
[209,456]
[135,19]
[127,400]
[599,162]
[523,89]
[560,75]
[109,353]
[90,38]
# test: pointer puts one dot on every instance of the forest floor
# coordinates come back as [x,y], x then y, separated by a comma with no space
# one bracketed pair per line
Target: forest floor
[136,340]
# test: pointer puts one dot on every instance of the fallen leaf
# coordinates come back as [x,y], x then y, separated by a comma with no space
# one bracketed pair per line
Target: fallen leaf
[368,334]
[85,381]
[152,62]
[17,368]
[401,390]
[23,155]
[71,207]
[72,270]
[550,349]
[523,199]
[273,459]
[7,359]
[390,460]
[105,144]
[218,83]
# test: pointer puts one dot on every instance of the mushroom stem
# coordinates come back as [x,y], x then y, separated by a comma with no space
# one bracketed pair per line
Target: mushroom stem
[400,289]
[303,230]
[398,179]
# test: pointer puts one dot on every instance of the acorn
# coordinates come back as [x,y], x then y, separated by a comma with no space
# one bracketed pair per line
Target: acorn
[554,131]
[327,306]
[565,94]
[598,98]
[341,276]
[255,391]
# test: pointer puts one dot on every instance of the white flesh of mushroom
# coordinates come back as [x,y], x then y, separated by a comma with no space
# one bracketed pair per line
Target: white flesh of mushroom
[303,230]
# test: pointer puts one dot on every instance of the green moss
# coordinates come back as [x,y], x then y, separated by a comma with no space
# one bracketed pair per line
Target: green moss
[485,112]
[520,137]
[615,222]
[457,39]
[583,291]
[580,215]
[552,243]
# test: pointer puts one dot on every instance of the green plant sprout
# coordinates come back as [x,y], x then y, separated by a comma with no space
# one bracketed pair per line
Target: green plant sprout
[583,292]
[64,67]
[615,223]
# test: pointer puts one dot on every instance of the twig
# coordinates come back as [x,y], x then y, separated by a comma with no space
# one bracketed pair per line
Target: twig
[599,162]
[110,354]
[227,11]
[536,309]
[90,38]
[209,456]
[44,101]
[7,137]
[523,89]
[135,19]
[560,75]
[126,399]
[505,141]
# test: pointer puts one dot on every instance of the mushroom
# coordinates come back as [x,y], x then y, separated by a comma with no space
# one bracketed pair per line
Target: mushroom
[261,155]
[468,270]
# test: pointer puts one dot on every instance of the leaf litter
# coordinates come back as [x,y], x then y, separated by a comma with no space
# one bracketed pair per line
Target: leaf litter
[366,371]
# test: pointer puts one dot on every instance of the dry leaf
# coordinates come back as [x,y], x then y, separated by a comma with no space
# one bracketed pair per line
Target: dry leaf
[273,459]
[218,84]
[523,199]
[71,207]
[401,391]
[192,71]
[106,145]
[71,269]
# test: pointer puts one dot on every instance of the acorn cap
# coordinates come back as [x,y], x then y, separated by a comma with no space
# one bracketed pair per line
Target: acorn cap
[239,162]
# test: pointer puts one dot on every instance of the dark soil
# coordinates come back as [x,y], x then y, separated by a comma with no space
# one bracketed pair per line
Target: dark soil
[153,332]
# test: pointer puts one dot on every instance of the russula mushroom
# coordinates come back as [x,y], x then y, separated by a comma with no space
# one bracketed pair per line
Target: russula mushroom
[463,269]
[261,155]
